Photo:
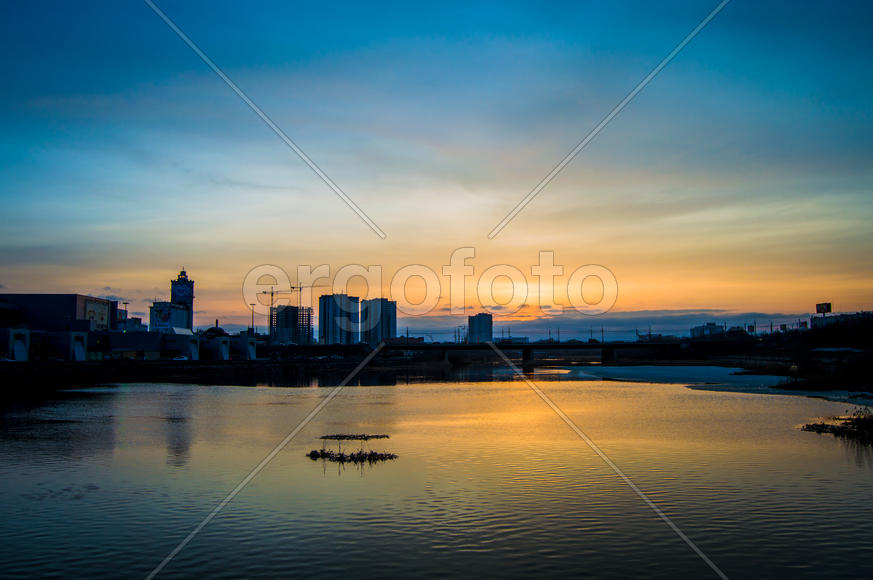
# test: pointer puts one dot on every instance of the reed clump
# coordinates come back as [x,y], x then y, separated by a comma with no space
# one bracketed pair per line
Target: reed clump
[357,457]
[857,426]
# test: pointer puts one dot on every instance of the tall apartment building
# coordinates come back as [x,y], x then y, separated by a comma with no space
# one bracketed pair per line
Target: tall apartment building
[291,324]
[378,320]
[338,319]
[479,328]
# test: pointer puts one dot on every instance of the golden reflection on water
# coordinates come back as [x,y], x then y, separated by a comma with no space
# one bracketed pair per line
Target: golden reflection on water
[486,473]
[642,422]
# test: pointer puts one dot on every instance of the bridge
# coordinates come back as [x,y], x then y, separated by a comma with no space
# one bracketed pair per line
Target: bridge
[607,349]
[527,351]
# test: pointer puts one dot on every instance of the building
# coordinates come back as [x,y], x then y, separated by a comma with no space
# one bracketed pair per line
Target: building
[215,344]
[59,312]
[178,313]
[291,325]
[243,346]
[183,345]
[708,330]
[14,344]
[132,345]
[182,294]
[514,340]
[479,328]
[846,321]
[338,319]
[59,345]
[125,323]
[378,320]
[166,316]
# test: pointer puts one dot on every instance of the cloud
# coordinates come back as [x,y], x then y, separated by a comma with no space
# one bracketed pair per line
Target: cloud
[616,325]
[113,297]
[49,254]
[438,126]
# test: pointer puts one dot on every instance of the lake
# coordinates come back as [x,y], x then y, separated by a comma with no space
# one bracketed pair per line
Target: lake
[489,481]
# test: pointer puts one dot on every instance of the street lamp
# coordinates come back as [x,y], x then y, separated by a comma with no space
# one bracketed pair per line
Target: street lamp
[253,318]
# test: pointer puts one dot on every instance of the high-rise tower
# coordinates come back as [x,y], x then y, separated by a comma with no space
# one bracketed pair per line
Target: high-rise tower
[378,320]
[338,321]
[182,293]
[479,328]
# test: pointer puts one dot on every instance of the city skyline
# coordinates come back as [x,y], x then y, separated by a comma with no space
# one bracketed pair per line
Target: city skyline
[529,320]
[732,184]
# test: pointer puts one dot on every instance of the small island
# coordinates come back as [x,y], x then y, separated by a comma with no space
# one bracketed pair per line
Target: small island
[356,457]
[353,457]
[857,426]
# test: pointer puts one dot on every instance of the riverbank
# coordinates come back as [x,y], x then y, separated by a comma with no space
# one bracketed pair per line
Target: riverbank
[856,427]
[765,372]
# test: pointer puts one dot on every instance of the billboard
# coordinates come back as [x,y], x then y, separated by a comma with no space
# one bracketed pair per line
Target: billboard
[166,316]
[823,308]
[97,311]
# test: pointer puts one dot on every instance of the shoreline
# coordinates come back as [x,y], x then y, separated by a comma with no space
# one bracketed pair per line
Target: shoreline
[42,377]
[855,427]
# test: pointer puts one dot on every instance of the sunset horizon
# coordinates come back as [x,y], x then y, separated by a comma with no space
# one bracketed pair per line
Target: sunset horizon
[727,183]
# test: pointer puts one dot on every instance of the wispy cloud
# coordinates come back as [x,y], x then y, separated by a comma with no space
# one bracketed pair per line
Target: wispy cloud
[114,297]
[619,325]
[747,161]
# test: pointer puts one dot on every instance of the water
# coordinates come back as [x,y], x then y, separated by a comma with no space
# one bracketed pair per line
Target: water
[489,482]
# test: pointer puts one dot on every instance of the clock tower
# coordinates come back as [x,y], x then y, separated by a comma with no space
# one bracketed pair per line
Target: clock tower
[182,293]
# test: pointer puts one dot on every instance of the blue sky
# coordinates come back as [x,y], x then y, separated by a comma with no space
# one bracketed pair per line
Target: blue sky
[739,179]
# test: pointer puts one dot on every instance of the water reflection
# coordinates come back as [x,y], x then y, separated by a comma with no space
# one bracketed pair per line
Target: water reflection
[177,430]
[861,454]
[60,425]
[488,482]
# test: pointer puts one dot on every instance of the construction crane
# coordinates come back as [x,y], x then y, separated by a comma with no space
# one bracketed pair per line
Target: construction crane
[273,293]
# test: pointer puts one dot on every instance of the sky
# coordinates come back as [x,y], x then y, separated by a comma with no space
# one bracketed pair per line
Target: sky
[737,183]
